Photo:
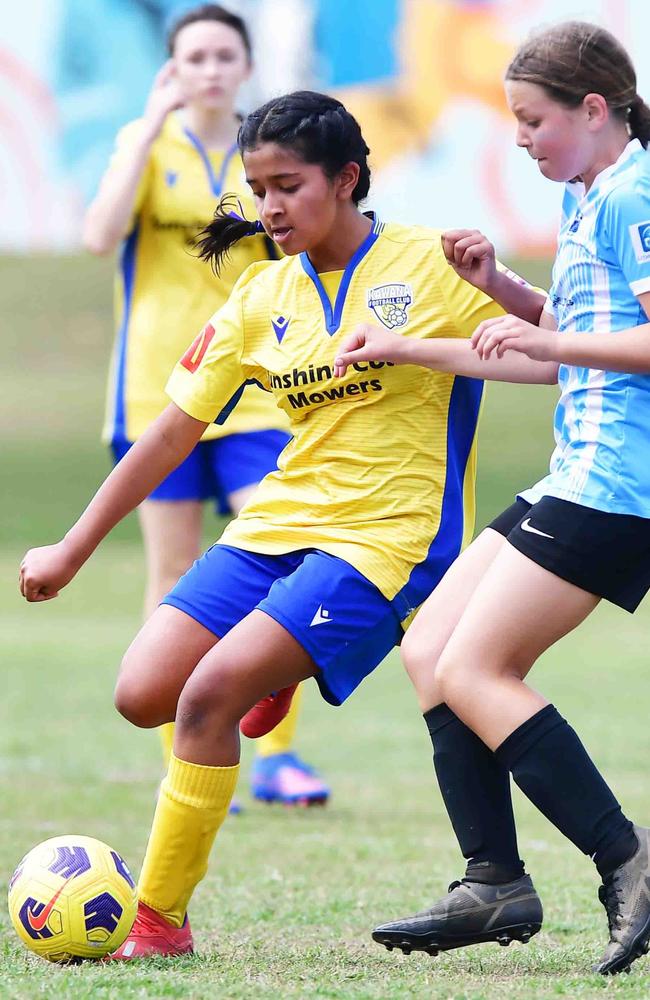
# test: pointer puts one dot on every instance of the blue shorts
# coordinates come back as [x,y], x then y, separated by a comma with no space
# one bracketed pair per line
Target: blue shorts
[215,469]
[338,616]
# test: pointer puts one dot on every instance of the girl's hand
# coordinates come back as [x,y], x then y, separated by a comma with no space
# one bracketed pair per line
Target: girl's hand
[509,333]
[471,255]
[165,96]
[45,571]
[368,343]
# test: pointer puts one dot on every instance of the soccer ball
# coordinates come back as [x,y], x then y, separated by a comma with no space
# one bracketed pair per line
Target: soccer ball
[72,898]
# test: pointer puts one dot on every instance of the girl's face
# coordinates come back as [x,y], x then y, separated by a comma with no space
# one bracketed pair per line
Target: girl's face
[296,201]
[211,63]
[559,138]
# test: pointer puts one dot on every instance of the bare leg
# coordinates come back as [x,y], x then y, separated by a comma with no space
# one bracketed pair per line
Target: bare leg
[171,530]
[517,610]
[238,498]
[256,657]
[437,618]
[157,665]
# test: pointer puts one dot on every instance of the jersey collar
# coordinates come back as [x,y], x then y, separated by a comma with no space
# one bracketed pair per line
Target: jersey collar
[632,150]
[333,316]
[216,183]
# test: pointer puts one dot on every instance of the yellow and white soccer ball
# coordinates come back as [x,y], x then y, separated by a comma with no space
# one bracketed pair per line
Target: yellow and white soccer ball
[72,898]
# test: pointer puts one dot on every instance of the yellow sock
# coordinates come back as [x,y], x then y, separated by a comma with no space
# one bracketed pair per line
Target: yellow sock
[167,740]
[279,740]
[192,805]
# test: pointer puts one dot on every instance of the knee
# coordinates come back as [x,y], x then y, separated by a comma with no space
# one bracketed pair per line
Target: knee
[209,703]
[133,699]
[452,678]
[420,655]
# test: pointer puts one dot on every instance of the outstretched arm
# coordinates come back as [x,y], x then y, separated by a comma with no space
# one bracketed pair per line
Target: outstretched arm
[165,444]
[623,351]
[371,343]
[472,257]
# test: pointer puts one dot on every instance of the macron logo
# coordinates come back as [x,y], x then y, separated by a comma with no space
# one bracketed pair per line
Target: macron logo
[320,617]
[280,326]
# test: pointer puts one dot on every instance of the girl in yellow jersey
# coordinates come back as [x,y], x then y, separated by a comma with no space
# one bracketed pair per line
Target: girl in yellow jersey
[371,502]
[169,169]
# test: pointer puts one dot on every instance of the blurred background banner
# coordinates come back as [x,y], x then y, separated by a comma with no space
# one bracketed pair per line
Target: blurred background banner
[423,76]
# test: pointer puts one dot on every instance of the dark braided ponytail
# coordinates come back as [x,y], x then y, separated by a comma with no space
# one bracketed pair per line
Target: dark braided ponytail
[318,129]
[228,226]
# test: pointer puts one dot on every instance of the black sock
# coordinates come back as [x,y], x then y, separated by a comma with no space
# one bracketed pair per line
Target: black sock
[475,788]
[551,766]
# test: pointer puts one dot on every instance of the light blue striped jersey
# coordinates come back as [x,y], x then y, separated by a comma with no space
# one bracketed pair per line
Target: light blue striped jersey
[602,421]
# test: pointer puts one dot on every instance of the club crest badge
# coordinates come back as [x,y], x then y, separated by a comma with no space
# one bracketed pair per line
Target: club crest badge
[390,303]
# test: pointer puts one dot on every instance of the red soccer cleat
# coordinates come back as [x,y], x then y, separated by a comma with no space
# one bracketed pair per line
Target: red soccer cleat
[152,935]
[268,712]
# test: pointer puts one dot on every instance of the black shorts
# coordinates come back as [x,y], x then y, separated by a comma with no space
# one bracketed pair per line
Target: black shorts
[605,554]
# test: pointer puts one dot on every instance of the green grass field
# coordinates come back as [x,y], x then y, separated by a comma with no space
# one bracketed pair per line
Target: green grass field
[291,896]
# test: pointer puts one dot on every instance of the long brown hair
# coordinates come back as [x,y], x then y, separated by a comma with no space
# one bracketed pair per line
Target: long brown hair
[575,58]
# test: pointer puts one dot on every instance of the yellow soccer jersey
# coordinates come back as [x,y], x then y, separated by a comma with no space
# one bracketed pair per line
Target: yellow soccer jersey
[381,468]
[163,291]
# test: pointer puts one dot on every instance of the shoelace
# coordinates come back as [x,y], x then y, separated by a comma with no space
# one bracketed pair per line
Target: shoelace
[454,885]
[608,894]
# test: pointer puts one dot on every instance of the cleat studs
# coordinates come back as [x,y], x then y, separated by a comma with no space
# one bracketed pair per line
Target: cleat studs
[525,937]
[433,952]
[406,947]
[503,940]
[388,946]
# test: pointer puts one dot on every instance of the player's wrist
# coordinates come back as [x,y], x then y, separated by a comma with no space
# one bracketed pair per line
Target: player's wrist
[76,548]
[494,283]
[152,123]
[404,351]
[556,349]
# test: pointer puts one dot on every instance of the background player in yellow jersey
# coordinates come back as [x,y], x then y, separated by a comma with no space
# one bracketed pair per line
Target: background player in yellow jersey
[169,169]
[369,507]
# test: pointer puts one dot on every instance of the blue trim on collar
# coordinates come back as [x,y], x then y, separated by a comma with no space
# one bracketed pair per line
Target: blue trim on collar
[333,316]
[216,183]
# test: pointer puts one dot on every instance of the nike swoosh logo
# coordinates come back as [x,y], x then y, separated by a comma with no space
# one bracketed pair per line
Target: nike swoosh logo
[500,894]
[39,922]
[527,526]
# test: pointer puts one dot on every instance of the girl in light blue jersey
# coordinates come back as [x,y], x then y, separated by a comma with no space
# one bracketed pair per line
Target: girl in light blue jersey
[582,533]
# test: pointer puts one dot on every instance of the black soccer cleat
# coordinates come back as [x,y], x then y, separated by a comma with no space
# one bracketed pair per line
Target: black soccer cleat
[471,913]
[625,895]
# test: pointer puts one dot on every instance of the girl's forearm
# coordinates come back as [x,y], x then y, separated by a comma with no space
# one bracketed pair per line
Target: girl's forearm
[459,358]
[520,300]
[108,216]
[625,351]
[166,443]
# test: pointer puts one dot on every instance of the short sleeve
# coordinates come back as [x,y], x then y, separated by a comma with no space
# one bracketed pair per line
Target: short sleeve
[626,229]
[209,378]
